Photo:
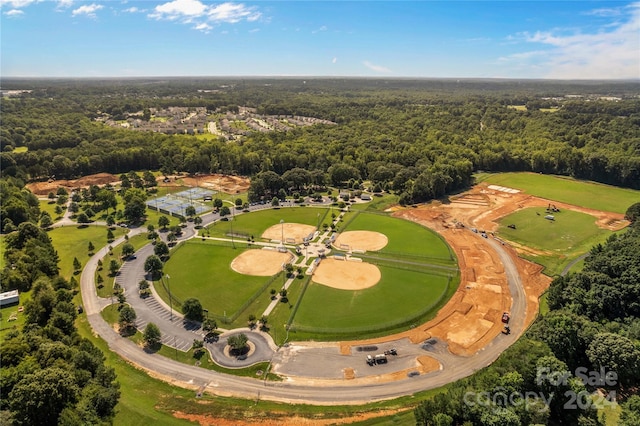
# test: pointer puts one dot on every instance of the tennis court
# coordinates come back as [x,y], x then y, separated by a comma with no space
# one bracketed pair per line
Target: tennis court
[176,204]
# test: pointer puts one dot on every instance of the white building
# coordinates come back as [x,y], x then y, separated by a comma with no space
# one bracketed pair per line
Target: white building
[9,298]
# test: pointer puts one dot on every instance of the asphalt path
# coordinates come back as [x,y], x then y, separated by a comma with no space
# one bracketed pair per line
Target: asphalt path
[303,368]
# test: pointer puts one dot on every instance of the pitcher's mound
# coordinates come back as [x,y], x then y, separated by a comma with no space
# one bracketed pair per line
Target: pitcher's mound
[346,275]
[362,240]
[293,232]
[262,263]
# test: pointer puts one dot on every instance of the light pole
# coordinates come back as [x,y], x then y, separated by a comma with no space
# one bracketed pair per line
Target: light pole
[282,232]
[170,299]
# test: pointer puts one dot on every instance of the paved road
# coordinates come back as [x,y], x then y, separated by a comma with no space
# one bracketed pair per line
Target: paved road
[304,366]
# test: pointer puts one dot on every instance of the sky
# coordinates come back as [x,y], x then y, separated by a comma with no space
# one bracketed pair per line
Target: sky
[427,39]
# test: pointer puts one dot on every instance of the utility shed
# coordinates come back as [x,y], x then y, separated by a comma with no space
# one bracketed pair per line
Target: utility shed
[9,298]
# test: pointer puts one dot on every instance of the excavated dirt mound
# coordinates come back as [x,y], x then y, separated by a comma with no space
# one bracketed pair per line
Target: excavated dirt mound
[262,263]
[346,275]
[361,240]
[221,183]
[293,232]
[43,188]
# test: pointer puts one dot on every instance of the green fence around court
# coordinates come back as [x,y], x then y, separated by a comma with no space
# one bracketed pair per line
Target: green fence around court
[407,321]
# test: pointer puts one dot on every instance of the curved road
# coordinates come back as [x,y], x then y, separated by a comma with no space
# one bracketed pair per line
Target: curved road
[304,365]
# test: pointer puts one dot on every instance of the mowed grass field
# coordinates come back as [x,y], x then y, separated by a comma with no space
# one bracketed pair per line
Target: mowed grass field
[73,241]
[400,297]
[567,237]
[404,237]
[202,270]
[567,190]
[256,223]
[570,231]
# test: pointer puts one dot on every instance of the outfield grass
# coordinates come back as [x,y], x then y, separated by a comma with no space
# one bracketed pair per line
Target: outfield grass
[565,238]
[400,296]
[256,223]
[567,190]
[73,241]
[404,237]
[202,270]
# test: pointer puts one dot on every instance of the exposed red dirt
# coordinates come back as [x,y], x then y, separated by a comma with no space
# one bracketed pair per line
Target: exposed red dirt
[43,188]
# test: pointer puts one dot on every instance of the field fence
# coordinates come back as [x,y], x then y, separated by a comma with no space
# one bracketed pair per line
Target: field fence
[416,256]
[253,298]
[176,301]
[297,305]
[438,270]
[346,224]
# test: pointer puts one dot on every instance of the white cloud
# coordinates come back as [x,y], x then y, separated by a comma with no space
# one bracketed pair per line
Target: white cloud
[322,28]
[254,30]
[605,12]
[65,3]
[188,11]
[233,13]
[133,9]
[14,12]
[334,60]
[88,10]
[204,27]
[178,9]
[18,4]
[376,68]
[610,52]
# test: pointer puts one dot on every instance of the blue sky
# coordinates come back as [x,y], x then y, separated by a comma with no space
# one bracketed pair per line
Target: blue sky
[452,39]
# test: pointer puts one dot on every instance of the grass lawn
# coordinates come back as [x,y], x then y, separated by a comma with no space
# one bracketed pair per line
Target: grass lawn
[50,207]
[377,203]
[72,241]
[399,297]
[518,107]
[256,223]
[20,149]
[404,237]
[7,311]
[568,236]
[579,193]
[202,270]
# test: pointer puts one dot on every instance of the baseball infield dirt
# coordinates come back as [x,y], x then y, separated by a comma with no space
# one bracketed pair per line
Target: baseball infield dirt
[292,231]
[346,275]
[262,263]
[361,240]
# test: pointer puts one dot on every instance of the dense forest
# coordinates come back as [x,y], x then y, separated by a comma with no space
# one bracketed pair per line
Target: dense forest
[419,138]
[588,343]
[50,374]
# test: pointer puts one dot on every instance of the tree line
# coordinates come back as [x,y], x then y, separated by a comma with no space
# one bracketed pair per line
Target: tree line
[50,374]
[420,140]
